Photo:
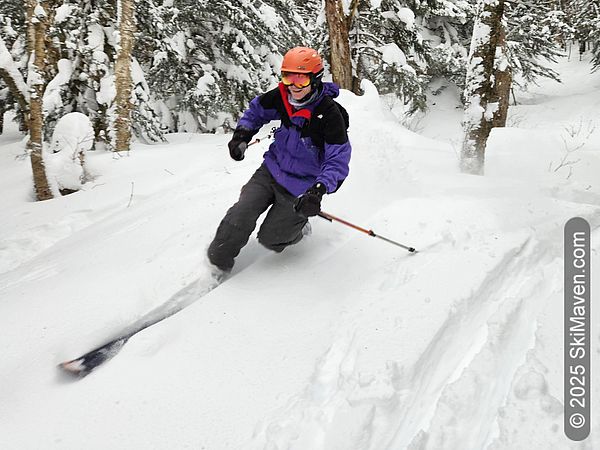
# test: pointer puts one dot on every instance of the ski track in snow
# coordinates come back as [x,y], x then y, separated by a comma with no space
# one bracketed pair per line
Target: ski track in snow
[454,405]
[340,397]
[501,315]
[481,345]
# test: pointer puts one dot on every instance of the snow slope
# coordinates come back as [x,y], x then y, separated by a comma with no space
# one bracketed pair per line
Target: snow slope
[340,342]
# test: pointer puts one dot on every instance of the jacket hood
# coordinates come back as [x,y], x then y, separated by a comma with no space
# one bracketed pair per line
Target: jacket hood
[331,89]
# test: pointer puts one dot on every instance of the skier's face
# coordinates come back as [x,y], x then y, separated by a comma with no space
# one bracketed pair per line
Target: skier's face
[299,93]
[299,84]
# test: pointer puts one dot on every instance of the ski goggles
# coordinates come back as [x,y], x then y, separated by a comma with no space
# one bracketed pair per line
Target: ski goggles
[300,80]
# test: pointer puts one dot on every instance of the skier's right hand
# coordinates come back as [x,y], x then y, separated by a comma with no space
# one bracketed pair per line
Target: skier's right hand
[237,148]
[239,142]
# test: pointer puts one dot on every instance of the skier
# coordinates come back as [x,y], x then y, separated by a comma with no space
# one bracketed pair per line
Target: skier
[308,159]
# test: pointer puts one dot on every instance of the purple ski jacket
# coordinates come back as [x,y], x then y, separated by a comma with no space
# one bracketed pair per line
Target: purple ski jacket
[310,146]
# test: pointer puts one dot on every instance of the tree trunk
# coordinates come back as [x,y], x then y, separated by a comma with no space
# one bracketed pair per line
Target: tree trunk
[502,82]
[123,81]
[37,84]
[479,90]
[31,4]
[341,62]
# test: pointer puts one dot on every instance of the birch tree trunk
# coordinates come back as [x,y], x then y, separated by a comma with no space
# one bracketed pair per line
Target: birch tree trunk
[479,91]
[125,13]
[37,83]
[339,29]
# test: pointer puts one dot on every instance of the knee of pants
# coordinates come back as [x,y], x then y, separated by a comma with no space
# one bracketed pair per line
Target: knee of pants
[267,241]
[276,241]
[276,247]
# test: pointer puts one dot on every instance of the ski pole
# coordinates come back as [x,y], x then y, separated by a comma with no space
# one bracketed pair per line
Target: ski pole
[243,146]
[331,218]
[268,136]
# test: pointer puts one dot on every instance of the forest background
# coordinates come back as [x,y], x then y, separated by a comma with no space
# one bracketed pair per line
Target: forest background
[151,67]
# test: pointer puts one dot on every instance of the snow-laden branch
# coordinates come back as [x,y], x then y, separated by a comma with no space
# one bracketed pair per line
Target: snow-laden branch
[9,72]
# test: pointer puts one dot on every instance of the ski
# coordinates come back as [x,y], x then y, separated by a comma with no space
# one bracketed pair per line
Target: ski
[85,364]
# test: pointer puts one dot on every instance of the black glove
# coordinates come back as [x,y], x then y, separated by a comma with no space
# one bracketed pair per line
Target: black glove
[239,143]
[237,149]
[309,203]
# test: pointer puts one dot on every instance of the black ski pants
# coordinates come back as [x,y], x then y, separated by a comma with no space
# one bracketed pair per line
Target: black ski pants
[282,225]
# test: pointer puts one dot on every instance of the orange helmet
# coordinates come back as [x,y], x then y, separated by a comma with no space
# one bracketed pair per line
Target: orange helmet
[302,60]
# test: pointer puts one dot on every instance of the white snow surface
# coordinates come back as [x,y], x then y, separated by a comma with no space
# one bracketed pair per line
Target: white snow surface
[73,136]
[392,54]
[52,93]
[340,342]
[62,13]
[39,11]
[407,16]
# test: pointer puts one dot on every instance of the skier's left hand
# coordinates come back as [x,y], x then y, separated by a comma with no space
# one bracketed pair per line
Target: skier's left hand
[309,203]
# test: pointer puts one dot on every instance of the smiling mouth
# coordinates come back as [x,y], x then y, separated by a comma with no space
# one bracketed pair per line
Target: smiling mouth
[297,89]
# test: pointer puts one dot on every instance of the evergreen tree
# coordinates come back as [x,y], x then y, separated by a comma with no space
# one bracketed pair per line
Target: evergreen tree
[449,26]
[85,78]
[594,38]
[215,58]
[402,45]
[584,13]
[389,50]
[586,22]
[157,56]
[535,33]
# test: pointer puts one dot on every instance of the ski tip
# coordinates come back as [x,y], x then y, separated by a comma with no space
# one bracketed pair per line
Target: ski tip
[85,364]
[76,367]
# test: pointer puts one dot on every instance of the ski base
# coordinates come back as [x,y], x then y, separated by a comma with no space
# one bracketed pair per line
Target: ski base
[85,364]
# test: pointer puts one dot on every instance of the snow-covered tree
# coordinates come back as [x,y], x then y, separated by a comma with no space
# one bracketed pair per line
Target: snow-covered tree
[583,15]
[14,84]
[535,33]
[402,45]
[502,79]
[13,62]
[73,136]
[447,27]
[481,102]
[389,50]
[212,58]
[594,39]
[586,22]
[87,32]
